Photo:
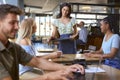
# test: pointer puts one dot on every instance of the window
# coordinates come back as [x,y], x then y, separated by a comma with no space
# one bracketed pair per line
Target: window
[44,26]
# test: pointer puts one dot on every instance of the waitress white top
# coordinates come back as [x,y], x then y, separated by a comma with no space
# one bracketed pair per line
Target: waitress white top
[64,28]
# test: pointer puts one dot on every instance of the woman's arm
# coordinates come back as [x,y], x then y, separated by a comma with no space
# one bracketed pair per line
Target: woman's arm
[44,64]
[57,75]
[99,53]
[52,55]
[55,34]
[96,54]
[112,53]
[49,65]
[75,33]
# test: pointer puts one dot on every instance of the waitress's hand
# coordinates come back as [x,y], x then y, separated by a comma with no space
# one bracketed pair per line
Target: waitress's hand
[50,39]
[72,37]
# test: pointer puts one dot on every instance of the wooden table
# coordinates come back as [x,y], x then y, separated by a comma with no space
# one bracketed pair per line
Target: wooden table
[69,58]
[109,74]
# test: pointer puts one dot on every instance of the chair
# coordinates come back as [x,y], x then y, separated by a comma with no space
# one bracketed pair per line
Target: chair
[81,46]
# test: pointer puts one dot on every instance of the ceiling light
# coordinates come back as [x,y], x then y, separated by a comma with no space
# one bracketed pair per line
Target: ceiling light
[86,7]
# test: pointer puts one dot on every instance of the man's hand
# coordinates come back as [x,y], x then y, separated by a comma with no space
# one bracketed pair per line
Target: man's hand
[65,74]
[76,67]
[57,75]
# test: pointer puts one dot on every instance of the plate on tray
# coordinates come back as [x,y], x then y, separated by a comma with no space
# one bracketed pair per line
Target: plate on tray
[45,50]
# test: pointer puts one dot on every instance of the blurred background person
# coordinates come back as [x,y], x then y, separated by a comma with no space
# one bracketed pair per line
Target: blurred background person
[65,28]
[82,34]
[28,27]
[110,49]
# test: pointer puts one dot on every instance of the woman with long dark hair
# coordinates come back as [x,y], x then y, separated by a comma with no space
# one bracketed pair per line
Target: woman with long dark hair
[65,26]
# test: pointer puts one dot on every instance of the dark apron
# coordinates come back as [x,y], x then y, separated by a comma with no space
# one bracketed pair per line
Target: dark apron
[67,46]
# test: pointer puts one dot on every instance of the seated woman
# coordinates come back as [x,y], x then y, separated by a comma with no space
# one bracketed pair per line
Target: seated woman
[28,27]
[110,49]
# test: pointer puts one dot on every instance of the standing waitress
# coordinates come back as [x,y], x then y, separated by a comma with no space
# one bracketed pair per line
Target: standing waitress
[65,26]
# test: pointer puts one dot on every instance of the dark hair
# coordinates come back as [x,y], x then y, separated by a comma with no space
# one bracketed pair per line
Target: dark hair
[83,22]
[7,8]
[63,5]
[109,20]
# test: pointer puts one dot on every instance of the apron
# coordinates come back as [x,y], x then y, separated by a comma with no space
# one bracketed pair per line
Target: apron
[67,46]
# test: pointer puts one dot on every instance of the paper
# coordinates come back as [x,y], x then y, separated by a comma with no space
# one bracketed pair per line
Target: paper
[94,70]
[79,56]
[45,50]
[41,54]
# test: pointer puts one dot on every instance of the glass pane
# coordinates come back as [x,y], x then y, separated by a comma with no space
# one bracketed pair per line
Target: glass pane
[38,26]
[48,26]
[75,8]
[42,26]
[92,9]
[101,16]
[85,16]
[72,15]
